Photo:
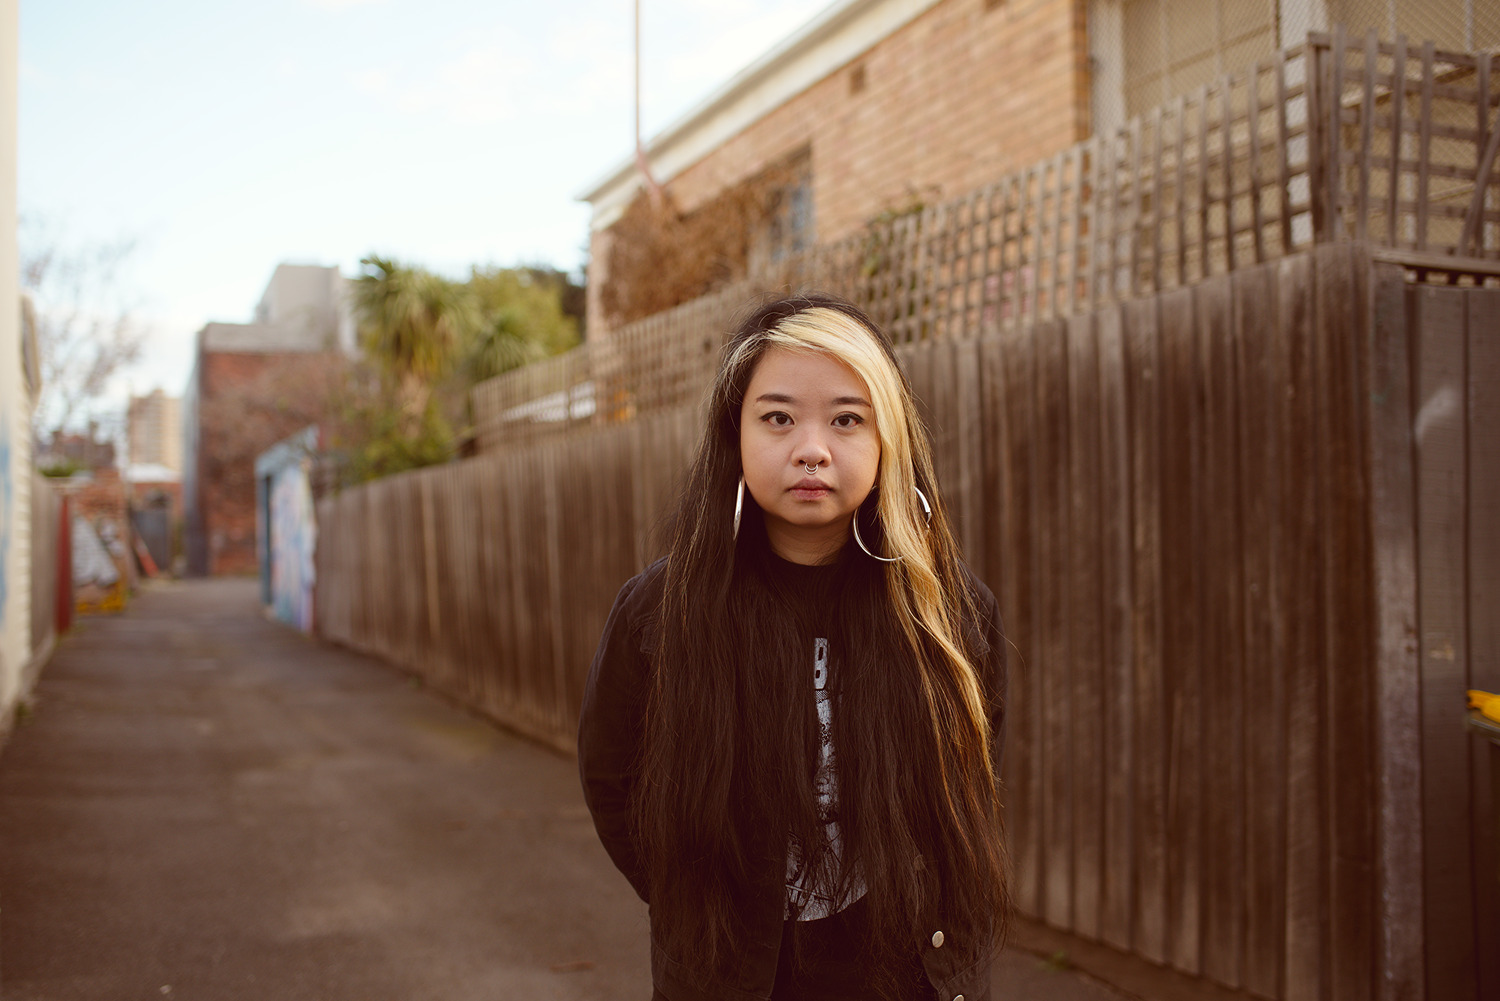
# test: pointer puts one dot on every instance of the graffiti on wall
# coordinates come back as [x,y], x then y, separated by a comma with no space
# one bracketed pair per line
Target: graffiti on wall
[294,536]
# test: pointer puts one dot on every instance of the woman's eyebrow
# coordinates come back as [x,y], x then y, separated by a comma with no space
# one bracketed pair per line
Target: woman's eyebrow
[837,401]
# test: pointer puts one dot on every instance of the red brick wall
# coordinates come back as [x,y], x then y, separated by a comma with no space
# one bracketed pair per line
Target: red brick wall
[103,499]
[248,402]
[956,99]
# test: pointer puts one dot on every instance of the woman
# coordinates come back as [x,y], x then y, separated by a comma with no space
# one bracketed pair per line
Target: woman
[791,729]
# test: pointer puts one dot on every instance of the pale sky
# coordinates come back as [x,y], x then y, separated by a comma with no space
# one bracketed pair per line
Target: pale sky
[225,138]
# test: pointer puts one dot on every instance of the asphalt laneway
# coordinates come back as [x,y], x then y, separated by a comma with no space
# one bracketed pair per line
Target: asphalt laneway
[203,804]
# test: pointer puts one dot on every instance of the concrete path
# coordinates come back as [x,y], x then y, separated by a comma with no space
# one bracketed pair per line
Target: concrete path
[203,804]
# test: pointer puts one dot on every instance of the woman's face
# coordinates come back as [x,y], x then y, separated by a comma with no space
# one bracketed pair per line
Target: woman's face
[805,409]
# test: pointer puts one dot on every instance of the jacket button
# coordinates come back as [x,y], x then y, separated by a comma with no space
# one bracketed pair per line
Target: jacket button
[937,940]
[959,997]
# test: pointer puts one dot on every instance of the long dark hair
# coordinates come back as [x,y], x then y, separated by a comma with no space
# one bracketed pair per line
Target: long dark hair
[731,745]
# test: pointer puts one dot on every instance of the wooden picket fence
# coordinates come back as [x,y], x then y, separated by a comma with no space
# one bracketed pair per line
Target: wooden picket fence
[492,577]
[1334,139]
[51,582]
[1199,510]
[1181,382]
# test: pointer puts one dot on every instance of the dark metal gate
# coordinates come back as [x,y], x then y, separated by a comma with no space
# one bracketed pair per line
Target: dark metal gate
[153,525]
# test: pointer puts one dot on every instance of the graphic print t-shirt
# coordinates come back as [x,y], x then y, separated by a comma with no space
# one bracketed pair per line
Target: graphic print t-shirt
[812,872]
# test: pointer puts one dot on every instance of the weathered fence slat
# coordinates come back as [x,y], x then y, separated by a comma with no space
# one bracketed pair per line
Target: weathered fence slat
[1182,528]
[1340,298]
[1116,651]
[1220,566]
[1299,590]
[1016,378]
[1050,539]
[1142,379]
[1440,386]
[1388,407]
[1264,718]
[1084,614]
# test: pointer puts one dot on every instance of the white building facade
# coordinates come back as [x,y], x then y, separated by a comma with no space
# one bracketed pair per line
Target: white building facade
[15,403]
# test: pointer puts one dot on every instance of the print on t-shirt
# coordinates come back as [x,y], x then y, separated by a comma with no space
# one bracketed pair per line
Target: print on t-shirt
[812,876]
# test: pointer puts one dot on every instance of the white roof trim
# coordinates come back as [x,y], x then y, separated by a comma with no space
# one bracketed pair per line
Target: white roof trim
[843,32]
[151,472]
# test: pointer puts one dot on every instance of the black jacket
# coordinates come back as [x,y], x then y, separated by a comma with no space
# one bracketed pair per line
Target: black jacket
[609,742]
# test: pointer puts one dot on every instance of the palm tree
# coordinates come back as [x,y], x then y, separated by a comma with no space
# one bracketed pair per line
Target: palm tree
[501,343]
[522,320]
[428,340]
[414,324]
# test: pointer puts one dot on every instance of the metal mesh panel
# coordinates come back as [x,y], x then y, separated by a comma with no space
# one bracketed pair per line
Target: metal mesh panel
[1147,53]
[1462,25]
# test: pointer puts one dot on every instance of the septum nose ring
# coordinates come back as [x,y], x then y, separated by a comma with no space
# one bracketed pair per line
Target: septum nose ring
[811,469]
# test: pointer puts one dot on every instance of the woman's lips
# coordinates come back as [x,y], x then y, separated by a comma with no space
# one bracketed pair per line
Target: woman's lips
[811,489]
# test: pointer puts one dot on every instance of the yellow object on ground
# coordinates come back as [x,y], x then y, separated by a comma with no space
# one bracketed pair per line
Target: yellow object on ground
[1486,703]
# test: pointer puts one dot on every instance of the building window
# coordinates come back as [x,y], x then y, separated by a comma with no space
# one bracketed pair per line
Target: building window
[789,216]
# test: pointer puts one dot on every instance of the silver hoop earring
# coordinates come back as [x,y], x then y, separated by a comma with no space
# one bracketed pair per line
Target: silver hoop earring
[739,503]
[926,509]
[861,544]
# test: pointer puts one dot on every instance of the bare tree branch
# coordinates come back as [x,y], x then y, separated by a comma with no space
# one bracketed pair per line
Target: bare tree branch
[86,331]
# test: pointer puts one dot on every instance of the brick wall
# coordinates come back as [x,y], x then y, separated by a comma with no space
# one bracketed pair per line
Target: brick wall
[248,402]
[101,498]
[961,95]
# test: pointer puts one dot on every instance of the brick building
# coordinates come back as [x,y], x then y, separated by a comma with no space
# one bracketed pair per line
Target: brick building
[90,449]
[878,103]
[252,385]
[872,103]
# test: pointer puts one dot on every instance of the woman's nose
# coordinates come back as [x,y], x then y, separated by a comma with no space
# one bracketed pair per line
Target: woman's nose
[811,450]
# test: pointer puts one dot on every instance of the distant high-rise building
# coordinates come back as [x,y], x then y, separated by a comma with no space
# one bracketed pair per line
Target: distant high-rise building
[154,430]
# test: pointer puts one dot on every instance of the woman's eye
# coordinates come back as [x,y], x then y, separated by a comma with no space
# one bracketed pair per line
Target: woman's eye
[778,419]
[847,421]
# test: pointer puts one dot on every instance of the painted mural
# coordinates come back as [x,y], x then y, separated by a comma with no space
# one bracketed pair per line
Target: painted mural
[294,538]
[98,553]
